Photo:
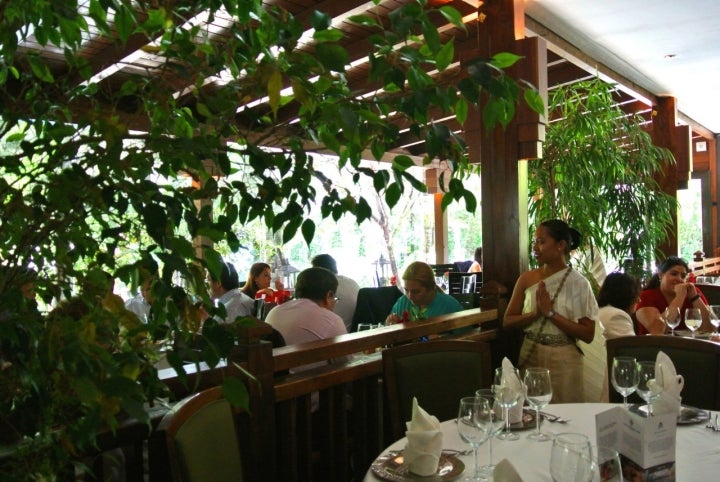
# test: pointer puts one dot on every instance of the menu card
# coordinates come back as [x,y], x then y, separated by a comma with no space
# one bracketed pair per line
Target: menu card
[646,444]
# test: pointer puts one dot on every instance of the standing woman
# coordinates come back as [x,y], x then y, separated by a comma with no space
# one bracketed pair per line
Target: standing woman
[555,306]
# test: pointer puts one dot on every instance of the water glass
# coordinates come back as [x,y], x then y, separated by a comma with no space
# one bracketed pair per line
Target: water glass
[571,458]
[492,424]
[607,466]
[469,420]
[508,392]
[624,376]
[538,393]
[646,387]
[671,317]
[693,319]
[715,316]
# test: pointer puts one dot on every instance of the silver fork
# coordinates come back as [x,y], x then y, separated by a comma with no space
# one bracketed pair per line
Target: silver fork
[554,418]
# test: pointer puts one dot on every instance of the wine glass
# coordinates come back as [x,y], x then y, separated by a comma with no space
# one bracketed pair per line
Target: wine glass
[508,392]
[715,316]
[624,376]
[671,317]
[492,424]
[607,466]
[693,319]
[469,427]
[646,387]
[538,393]
[571,458]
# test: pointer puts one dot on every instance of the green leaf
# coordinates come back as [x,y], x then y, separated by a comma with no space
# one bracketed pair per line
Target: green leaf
[402,162]
[453,16]
[235,391]
[320,21]
[331,35]
[39,69]
[534,100]
[308,230]
[445,56]
[461,110]
[274,86]
[364,20]
[392,194]
[124,22]
[213,262]
[503,60]
[332,56]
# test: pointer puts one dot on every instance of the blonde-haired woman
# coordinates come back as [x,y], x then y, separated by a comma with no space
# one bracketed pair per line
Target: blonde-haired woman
[422,298]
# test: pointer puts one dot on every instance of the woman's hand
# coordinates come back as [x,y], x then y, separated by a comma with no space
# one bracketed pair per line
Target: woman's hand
[392,319]
[681,290]
[542,299]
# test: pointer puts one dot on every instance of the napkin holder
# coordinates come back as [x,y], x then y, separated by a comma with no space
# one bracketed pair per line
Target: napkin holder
[646,444]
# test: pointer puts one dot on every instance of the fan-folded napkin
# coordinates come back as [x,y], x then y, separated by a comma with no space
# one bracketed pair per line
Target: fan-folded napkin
[505,472]
[424,446]
[668,383]
[511,384]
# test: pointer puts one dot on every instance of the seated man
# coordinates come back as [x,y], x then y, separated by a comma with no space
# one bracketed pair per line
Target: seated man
[347,290]
[310,315]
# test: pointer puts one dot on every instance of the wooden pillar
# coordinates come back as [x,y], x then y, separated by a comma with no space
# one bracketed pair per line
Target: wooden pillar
[676,139]
[714,156]
[503,153]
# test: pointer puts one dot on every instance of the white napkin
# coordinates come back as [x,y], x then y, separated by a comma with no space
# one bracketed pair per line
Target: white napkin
[668,383]
[512,381]
[424,445]
[505,472]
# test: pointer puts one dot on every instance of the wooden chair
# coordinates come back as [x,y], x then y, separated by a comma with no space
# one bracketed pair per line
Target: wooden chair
[711,292]
[438,373]
[698,361]
[374,304]
[202,439]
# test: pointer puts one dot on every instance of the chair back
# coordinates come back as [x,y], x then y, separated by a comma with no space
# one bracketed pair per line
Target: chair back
[698,361]
[438,373]
[456,280]
[202,439]
[441,269]
[711,292]
[374,305]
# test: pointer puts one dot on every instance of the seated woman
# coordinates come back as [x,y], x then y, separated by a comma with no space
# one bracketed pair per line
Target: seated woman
[258,281]
[617,299]
[476,266]
[422,299]
[668,288]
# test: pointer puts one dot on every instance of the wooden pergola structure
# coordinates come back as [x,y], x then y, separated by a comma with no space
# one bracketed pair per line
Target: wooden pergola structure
[492,26]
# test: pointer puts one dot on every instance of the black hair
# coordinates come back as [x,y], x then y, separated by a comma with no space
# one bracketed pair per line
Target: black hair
[619,290]
[478,254]
[324,261]
[561,231]
[315,283]
[664,267]
[229,279]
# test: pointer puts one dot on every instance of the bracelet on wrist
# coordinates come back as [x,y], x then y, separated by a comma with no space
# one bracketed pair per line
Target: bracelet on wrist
[694,298]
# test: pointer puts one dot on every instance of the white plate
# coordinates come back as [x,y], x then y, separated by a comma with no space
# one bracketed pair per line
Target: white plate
[390,467]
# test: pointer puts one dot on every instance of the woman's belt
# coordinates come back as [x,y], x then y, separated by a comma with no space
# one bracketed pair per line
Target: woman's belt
[549,340]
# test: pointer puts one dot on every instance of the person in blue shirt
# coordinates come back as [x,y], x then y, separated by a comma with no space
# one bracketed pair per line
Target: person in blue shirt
[422,299]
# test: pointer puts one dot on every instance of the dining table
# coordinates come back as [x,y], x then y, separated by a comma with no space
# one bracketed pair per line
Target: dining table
[697,449]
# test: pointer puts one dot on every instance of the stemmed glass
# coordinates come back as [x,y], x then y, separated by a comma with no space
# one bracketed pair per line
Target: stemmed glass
[693,319]
[571,458]
[715,316]
[671,317]
[508,392]
[492,424]
[470,429]
[538,393]
[646,390]
[624,376]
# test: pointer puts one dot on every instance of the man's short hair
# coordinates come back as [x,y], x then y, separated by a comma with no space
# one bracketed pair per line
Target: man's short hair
[324,261]
[314,284]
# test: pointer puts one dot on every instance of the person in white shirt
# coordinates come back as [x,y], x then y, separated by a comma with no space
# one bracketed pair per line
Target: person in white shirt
[141,303]
[227,292]
[347,290]
[617,299]
[310,315]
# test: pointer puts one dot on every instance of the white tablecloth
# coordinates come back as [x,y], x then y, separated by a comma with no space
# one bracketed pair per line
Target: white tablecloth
[697,448]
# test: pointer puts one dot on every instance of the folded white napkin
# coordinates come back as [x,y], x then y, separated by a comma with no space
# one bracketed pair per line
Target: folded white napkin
[513,386]
[424,445]
[505,472]
[668,383]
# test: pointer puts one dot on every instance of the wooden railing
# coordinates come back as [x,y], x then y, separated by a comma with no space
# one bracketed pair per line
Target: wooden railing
[285,439]
[700,266]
